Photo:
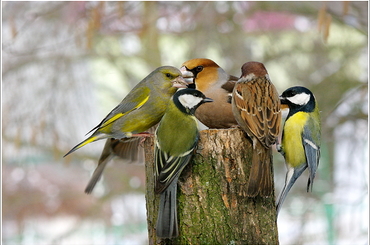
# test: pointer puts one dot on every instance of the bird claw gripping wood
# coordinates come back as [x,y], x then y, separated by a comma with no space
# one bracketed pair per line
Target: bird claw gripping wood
[279,148]
[142,136]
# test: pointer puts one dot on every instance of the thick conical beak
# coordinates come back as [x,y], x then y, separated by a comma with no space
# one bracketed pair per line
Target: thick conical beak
[179,82]
[187,75]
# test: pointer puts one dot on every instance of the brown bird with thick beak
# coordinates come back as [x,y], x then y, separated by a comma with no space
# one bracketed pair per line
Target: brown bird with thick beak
[215,83]
[256,107]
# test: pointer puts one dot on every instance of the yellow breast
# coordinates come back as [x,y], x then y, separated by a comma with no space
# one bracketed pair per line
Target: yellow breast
[292,141]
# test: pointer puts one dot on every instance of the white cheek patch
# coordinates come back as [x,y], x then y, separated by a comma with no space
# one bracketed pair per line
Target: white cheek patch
[299,99]
[189,101]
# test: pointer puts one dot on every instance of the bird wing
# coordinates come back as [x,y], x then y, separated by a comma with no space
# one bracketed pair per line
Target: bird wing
[167,167]
[312,151]
[273,114]
[259,107]
[230,84]
[134,100]
[248,112]
[229,87]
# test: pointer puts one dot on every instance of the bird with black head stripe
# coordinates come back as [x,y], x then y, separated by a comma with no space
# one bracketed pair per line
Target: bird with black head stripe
[301,138]
[176,139]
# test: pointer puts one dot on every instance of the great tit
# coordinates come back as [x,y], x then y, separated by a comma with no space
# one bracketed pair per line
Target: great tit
[256,107]
[209,78]
[176,139]
[301,138]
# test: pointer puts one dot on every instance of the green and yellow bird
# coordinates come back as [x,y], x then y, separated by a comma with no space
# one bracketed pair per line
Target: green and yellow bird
[176,139]
[140,110]
[301,138]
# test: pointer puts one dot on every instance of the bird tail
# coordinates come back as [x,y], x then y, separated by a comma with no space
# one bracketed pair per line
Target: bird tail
[105,157]
[260,179]
[167,216]
[128,149]
[290,178]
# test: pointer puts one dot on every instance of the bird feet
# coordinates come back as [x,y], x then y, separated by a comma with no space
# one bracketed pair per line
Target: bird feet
[142,136]
[279,148]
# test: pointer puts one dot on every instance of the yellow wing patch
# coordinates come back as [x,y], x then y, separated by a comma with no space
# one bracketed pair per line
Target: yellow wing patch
[89,140]
[83,143]
[119,115]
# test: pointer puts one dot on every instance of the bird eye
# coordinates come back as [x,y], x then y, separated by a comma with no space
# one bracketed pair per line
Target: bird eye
[168,75]
[199,69]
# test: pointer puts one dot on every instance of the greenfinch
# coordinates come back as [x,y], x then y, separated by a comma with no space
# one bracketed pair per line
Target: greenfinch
[140,110]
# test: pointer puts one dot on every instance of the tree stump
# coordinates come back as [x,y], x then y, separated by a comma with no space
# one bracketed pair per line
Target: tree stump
[211,202]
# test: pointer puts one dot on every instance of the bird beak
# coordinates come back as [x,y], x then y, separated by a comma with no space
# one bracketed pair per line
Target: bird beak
[283,103]
[179,82]
[283,100]
[188,75]
[207,100]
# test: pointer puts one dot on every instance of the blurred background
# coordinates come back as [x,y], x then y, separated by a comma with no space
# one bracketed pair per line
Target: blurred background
[66,65]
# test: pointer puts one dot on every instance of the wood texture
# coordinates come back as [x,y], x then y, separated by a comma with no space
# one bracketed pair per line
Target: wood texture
[212,205]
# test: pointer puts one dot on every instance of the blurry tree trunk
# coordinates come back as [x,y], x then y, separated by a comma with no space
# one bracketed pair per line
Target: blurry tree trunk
[149,35]
[212,207]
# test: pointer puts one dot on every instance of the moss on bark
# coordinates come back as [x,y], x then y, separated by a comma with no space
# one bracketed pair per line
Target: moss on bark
[212,206]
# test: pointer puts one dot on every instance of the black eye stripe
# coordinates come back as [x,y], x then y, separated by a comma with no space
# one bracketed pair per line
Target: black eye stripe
[196,70]
[199,68]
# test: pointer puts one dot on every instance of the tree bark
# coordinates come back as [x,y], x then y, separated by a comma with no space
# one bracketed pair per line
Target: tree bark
[149,35]
[212,206]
